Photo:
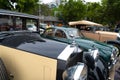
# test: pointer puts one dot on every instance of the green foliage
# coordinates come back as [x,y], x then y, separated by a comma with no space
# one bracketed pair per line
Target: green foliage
[72,10]
[113,11]
[94,12]
[45,10]
[106,12]
[27,6]
[4,4]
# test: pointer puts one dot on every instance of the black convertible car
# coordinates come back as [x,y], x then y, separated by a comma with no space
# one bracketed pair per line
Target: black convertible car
[24,55]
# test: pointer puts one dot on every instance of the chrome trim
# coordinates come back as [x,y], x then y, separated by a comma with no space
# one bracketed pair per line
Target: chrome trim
[94,53]
[64,55]
[79,73]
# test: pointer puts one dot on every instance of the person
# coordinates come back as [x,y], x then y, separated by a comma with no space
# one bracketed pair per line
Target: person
[48,26]
[117,28]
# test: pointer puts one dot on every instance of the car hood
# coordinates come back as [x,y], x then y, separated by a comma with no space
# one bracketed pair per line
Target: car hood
[92,43]
[44,47]
[33,43]
[104,49]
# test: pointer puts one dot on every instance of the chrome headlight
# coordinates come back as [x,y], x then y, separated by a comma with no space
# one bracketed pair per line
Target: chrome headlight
[77,72]
[115,52]
[112,57]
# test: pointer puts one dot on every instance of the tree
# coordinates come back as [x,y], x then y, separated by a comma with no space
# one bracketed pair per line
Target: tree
[27,6]
[4,4]
[94,12]
[112,11]
[72,10]
[45,10]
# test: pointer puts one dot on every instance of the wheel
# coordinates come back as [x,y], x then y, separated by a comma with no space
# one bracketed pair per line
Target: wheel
[117,46]
[3,71]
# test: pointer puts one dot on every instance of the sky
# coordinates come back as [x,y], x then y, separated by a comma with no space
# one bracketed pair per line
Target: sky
[48,1]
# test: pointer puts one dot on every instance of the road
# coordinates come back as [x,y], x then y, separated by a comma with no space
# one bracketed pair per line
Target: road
[112,72]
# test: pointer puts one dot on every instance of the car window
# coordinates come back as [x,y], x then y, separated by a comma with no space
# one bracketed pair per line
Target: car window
[60,34]
[74,32]
[49,32]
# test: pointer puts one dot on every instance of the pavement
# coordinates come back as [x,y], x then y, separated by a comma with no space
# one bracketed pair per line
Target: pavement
[112,72]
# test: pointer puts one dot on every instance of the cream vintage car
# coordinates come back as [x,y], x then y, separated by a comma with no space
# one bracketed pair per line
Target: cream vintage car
[25,55]
[97,32]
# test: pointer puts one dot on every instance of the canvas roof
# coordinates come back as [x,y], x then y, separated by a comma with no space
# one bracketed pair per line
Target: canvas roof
[14,13]
[84,22]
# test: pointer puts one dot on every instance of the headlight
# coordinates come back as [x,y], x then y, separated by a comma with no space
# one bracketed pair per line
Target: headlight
[115,51]
[77,72]
[112,57]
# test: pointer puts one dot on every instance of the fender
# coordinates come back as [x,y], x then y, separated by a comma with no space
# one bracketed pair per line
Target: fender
[113,41]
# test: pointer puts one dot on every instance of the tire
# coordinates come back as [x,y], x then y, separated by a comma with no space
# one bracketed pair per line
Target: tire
[3,71]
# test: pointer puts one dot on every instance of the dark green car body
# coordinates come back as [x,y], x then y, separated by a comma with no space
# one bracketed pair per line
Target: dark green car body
[107,52]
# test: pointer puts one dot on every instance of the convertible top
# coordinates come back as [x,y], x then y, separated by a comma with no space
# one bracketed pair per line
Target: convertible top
[84,22]
[18,14]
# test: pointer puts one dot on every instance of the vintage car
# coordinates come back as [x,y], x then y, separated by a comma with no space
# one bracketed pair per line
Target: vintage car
[24,55]
[93,30]
[108,53]
[100,34]
[96,31]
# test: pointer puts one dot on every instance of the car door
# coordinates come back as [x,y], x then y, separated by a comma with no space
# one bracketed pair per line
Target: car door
[89,32]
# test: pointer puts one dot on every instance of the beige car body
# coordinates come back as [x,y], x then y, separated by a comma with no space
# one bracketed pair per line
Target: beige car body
[100,35]
[26,66]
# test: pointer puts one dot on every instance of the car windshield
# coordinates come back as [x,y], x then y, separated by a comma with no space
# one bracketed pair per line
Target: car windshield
[74,32]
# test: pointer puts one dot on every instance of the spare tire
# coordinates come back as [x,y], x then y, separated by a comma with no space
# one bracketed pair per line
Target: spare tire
[3,71]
